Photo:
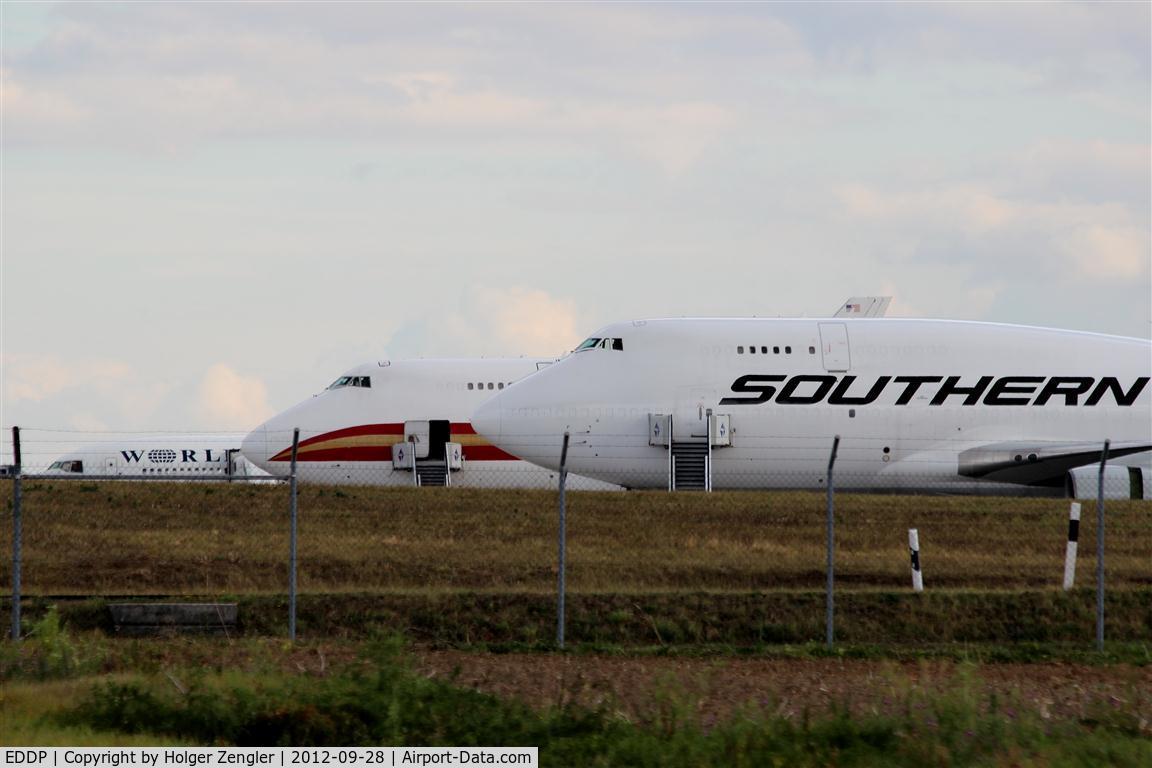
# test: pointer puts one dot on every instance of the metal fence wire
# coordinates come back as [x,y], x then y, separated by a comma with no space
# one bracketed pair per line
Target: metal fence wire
[823,555]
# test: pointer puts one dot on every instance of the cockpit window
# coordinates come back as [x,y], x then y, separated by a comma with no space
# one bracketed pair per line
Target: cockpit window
[598,343]
[351,381]
[68,466]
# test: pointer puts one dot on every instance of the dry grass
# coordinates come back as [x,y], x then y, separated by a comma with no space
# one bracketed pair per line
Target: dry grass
[139,538]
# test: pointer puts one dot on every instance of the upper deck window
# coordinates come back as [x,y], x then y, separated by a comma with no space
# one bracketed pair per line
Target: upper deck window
[598,343]
[351,381]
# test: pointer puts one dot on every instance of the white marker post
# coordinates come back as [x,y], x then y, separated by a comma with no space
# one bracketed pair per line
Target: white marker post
[914,548]
[1070,552]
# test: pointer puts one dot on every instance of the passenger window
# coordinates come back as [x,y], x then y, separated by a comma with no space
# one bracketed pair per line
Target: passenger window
[811,350]
[787,350]
[489,385]
[500,385]
[763,350]
[471,385]
[739,350]
[775,350]
[752,349]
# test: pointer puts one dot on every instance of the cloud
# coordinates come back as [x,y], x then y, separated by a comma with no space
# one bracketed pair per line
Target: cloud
[1110,253]
[1104,239]
[531,321]
[230,400]
[516,320]
[39,377]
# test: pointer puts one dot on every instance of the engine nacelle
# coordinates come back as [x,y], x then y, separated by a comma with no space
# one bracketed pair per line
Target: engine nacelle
[1119,482]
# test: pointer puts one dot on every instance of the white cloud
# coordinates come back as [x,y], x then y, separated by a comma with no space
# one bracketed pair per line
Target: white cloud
[516,320]
[24,104]
[1110,253]
[1105,226]
[230,400]
[39,377]
[531,320]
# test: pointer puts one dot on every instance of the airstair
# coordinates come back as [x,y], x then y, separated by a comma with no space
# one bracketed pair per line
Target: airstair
[690,461]
[690,470]
[432,473]
[428,452]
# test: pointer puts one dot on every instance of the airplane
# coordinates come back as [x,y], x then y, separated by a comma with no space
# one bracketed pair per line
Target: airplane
[403,422]
[406,422]
[175,457]
[930,406]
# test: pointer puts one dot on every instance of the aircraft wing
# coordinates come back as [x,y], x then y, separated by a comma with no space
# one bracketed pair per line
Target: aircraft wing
[864,306]
[1037,463]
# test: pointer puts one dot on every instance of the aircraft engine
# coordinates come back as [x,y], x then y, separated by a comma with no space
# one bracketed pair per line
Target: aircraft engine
[1119,482]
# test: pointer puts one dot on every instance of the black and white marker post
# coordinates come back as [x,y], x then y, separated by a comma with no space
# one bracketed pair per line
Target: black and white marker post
[1070,552]
[914,550]
[17,535]
[1100,551]
[829,599]
[562,544]
[292,537]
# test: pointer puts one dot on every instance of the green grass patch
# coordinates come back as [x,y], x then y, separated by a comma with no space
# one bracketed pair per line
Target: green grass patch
[382,701]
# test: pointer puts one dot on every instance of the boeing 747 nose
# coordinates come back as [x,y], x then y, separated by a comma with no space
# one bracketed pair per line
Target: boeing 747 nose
[487,419]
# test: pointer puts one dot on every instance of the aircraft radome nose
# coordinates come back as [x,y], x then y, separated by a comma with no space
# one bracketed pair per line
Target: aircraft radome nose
[255,446]
[487,419]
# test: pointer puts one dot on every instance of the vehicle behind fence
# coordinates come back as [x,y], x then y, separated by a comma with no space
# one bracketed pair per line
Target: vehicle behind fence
[461,564]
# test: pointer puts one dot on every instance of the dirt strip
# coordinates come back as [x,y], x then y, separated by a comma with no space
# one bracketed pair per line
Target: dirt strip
[646,689]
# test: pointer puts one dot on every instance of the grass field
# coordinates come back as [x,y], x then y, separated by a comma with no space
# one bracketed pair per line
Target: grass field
[68,689]
[139,538]
[695,623]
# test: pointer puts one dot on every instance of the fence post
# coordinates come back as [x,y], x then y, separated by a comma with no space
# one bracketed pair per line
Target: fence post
[1100,552]
[914,555]
[292,539]
[563,543]
[1073,544]
[831,546]
[17,535]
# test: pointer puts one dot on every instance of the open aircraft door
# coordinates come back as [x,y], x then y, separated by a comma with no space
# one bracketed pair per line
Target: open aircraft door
[834,347]
[430,437]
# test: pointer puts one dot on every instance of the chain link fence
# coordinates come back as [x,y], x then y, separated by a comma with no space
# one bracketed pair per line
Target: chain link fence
[727,566]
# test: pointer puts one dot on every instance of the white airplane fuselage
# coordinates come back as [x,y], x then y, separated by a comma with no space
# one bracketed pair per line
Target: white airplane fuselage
[926,405]
[350,432]
[174,457]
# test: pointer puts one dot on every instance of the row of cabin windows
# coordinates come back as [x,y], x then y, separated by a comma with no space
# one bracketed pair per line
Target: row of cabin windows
[775,350]
[147,470]
[490,385]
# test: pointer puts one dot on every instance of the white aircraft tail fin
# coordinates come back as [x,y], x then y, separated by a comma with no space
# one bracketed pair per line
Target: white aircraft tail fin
[864,306]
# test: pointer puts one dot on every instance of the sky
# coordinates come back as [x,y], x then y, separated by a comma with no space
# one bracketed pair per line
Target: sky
[208,211]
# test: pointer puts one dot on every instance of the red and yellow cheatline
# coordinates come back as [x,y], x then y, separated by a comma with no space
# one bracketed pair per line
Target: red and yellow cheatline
[373,442]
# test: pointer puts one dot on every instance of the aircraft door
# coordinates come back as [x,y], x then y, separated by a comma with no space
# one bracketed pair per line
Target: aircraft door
[439,433]
[693,405]
[111,465]
[416,433]
[834,347]
[431,437]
